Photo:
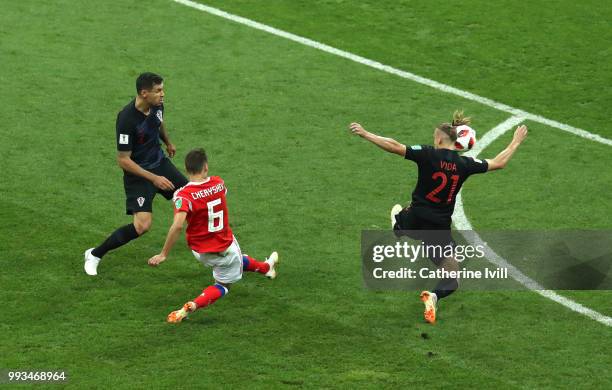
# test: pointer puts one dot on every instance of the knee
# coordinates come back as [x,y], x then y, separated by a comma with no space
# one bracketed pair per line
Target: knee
[142,226]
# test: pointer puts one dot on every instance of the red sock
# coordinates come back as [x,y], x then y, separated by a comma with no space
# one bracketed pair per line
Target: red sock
[210,295]
[252,265]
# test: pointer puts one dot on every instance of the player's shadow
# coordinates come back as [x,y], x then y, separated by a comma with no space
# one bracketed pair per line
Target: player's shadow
[201,320]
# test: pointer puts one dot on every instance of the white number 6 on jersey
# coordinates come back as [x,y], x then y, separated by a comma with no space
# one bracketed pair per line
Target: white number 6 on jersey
[214,216]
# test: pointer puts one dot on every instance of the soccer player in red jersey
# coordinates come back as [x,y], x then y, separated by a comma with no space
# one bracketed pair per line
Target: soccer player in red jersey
[202,204]
[442,172]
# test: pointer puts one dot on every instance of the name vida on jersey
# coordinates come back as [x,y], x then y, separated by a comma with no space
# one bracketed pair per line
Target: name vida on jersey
[448,166]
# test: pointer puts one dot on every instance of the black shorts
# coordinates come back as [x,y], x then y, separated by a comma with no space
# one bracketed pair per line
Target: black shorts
[408,223]
[139,192]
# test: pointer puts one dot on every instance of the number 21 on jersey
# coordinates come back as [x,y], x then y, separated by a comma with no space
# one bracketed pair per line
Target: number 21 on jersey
[439,175]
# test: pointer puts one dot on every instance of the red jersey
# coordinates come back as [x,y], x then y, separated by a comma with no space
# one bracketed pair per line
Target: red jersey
[208,229]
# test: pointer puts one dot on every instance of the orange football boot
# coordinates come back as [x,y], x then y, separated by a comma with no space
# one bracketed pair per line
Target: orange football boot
[179,315]
[430,300]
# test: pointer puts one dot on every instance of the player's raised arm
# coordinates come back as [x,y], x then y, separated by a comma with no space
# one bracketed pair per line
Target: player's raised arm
[388,144]
[173,234]
[505,155]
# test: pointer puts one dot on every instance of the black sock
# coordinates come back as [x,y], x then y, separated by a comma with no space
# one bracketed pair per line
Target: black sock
[446,287]
[121,236]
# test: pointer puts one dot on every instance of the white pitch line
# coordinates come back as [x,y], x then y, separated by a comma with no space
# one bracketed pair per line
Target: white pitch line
[462,223]
[517,113]
[494,134]
[401,73]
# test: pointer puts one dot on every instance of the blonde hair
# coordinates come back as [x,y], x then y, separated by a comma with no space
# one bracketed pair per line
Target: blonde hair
[450,129]
[460,119]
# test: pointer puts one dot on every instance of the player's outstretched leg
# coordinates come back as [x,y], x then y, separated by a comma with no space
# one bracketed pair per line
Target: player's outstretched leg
[430,300]
[209,296]
[267,267]
[394,211]
[119,237]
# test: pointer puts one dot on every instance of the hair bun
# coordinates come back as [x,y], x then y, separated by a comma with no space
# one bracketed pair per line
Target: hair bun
[460,119]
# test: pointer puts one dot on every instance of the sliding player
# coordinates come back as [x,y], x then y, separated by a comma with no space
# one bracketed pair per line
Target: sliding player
[202,204]
[442,172]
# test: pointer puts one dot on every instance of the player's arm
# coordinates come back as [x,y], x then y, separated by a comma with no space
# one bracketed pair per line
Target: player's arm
[388,144]
[127,164]
[163,134]
[173,234]
[500,161]
[125,145]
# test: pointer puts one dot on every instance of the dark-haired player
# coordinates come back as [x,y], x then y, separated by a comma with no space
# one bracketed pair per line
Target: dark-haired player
[202,204]
[146,170]
[442,172]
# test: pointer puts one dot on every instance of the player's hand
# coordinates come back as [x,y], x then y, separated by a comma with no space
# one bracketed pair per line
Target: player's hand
[155,260]
[520,134]
[162,183]
[171,149]
[357,129]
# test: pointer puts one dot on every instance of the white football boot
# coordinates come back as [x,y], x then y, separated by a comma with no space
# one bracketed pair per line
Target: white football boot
[91,263]
[394,211]
[273,260]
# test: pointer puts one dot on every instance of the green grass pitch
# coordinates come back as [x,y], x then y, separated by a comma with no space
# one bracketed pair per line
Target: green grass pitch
[272,115]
